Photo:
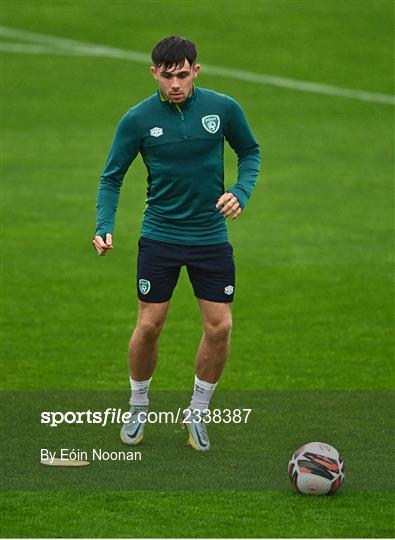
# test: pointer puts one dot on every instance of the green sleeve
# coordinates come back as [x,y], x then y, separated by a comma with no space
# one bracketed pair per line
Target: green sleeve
[240,137]
[123,151]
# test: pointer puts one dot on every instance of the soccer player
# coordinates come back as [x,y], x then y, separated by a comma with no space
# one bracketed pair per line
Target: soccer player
[180,133]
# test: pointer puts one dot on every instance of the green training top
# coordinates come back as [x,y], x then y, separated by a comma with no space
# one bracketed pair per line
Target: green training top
[182,148]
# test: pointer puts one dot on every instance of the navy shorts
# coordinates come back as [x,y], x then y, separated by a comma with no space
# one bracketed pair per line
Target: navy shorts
[210,268]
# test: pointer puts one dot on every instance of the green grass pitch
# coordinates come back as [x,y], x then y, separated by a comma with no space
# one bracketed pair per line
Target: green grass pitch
[314,304]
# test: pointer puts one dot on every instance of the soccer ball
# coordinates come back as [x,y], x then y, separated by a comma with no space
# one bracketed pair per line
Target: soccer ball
[317,469]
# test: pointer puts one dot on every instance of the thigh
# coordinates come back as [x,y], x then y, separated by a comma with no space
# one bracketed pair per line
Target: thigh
[215,314]
[152,313]
[158,268]
[211,270]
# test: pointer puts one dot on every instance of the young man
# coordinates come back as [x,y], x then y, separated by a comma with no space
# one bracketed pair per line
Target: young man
[180,134]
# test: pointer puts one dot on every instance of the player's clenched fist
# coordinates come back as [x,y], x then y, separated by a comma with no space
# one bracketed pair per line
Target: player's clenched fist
[230,205]
[102,246]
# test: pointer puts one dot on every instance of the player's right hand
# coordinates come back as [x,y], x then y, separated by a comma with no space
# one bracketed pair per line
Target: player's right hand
[102,246]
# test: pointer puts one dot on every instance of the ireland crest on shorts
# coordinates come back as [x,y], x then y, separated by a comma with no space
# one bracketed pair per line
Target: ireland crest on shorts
[211,123]
[144,286]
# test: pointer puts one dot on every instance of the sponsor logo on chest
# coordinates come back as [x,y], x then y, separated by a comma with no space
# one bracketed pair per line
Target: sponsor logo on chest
[156,132]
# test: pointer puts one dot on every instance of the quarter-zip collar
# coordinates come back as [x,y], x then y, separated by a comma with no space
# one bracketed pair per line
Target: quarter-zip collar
[187,103]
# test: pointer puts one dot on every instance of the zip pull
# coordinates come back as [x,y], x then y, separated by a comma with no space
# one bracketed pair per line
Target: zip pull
[179,110]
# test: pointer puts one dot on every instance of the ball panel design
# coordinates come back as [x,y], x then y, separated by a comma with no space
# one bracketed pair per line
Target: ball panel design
[336,484]
[315,485]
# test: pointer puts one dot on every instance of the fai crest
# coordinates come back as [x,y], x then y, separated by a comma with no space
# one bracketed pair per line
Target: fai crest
[144,286]
[211,123]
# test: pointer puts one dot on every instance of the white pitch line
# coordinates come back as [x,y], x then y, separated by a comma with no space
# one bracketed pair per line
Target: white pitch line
[304,86]
[55,45]
[40,48]
[32,48]
[82,47]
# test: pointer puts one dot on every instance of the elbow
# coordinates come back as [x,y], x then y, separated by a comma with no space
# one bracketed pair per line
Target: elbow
[110,182]
[252,151]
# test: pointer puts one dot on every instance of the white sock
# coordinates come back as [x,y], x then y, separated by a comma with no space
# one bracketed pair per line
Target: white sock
[139,392]
[202,393]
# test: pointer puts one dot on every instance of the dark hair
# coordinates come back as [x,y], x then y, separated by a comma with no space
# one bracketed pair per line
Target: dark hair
[172,51]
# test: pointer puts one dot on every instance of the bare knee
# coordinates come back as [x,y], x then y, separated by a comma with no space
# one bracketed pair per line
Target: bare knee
[150,321]
[218,330]
[149,330]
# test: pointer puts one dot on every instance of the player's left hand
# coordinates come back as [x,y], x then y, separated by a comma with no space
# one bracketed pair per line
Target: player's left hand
[230,205]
